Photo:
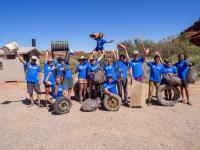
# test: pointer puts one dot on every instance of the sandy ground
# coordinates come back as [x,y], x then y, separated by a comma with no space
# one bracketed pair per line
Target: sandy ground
[153,127]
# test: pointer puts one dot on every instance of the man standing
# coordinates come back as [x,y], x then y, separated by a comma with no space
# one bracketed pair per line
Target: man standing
[33,77]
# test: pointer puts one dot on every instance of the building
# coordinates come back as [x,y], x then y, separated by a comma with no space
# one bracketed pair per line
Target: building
[11,69]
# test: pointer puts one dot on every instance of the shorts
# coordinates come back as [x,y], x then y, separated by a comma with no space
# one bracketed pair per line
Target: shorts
[31,86]
[184,83]
[82,80]
[69,84]
[99,49]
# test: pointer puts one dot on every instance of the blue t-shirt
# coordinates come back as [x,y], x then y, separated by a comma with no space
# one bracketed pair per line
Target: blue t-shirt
[170,69]
[60,69]
[92,68]
[82,73]
[111,87]
[59,92]
[122,66]
[110,70]
[68,73]
[137,67]
[182,67]
[47,69]
[100,43]
[156,71]
[32,71]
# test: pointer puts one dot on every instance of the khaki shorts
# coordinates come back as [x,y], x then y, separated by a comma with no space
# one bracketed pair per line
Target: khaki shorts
[82,80]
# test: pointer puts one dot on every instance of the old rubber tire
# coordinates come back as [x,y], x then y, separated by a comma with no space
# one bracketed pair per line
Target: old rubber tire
[112,103]
[175,98]
[90,105]
[62,105]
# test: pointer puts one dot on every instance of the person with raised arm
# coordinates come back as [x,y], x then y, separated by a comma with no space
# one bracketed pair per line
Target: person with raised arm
[156,70]
[48,67]
[33,78]
[91,71]
[122,68]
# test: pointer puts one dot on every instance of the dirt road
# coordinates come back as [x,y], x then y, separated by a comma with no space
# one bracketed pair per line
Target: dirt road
[153,127]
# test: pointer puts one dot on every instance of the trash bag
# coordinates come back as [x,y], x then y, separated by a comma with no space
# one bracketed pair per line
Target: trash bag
[112,103]
[90,105]
[62,105]
[170,79]
[99,77]
[173,100]
[192,76]
[76,91]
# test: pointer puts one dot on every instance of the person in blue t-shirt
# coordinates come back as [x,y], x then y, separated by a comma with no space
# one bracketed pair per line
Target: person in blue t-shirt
[68,79]
[100,41]
[122,68]
[33,77]
[169,69]
[48,67]
[58,89]
[183,67]
[60,66]
[110,66]
[156,70]
[81,69]
[91,71]
[109,87]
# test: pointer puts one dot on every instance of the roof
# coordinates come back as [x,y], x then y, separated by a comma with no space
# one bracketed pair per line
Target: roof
[23,50]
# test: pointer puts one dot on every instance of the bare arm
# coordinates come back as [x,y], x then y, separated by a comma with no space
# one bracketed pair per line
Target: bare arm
[111,41]
[157,53]
[46,55]
[20,58]
[117,54]
[91,56]
[101,56]
[115,58]
[107,92]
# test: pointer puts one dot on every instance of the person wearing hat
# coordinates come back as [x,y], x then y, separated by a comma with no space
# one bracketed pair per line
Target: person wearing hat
[122,68]
[91,71]
[109,87]
[81,69]
[169,69]
[48,67]
[60,66]
[136,65]
[156,70]
[33,77]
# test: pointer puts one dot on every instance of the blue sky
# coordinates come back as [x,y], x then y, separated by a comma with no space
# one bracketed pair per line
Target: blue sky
[74,20]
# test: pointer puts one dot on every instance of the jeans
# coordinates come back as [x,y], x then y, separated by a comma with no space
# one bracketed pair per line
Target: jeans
[120,84]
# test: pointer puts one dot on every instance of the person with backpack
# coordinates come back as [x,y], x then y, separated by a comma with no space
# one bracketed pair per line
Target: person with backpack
[33,78]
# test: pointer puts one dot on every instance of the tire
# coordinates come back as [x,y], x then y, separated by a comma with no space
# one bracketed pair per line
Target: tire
[62,105]
[90,105]
[112,103]
[175,98]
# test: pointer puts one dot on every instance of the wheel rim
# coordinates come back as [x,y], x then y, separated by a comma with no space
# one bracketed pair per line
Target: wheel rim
[63,106]
[113,103]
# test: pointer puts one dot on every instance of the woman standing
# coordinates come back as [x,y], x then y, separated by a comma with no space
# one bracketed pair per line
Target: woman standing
[81,69]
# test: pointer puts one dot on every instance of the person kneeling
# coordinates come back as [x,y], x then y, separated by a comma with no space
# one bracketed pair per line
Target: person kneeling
[57,88]
[109,87]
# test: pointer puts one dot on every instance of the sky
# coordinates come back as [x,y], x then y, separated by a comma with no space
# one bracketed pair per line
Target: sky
[74,20]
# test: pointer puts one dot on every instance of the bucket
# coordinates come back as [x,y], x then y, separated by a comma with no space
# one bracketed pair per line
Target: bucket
[10,47]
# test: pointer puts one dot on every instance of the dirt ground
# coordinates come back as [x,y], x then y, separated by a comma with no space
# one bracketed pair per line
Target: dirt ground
[154,127]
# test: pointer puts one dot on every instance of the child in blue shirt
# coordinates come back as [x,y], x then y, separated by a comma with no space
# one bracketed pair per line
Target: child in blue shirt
[109,87]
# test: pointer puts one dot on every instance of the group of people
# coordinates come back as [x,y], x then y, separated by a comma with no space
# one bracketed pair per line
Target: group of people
[58,78]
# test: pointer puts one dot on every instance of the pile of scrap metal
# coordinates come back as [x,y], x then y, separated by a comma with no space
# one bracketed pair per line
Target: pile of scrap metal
[193,32]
